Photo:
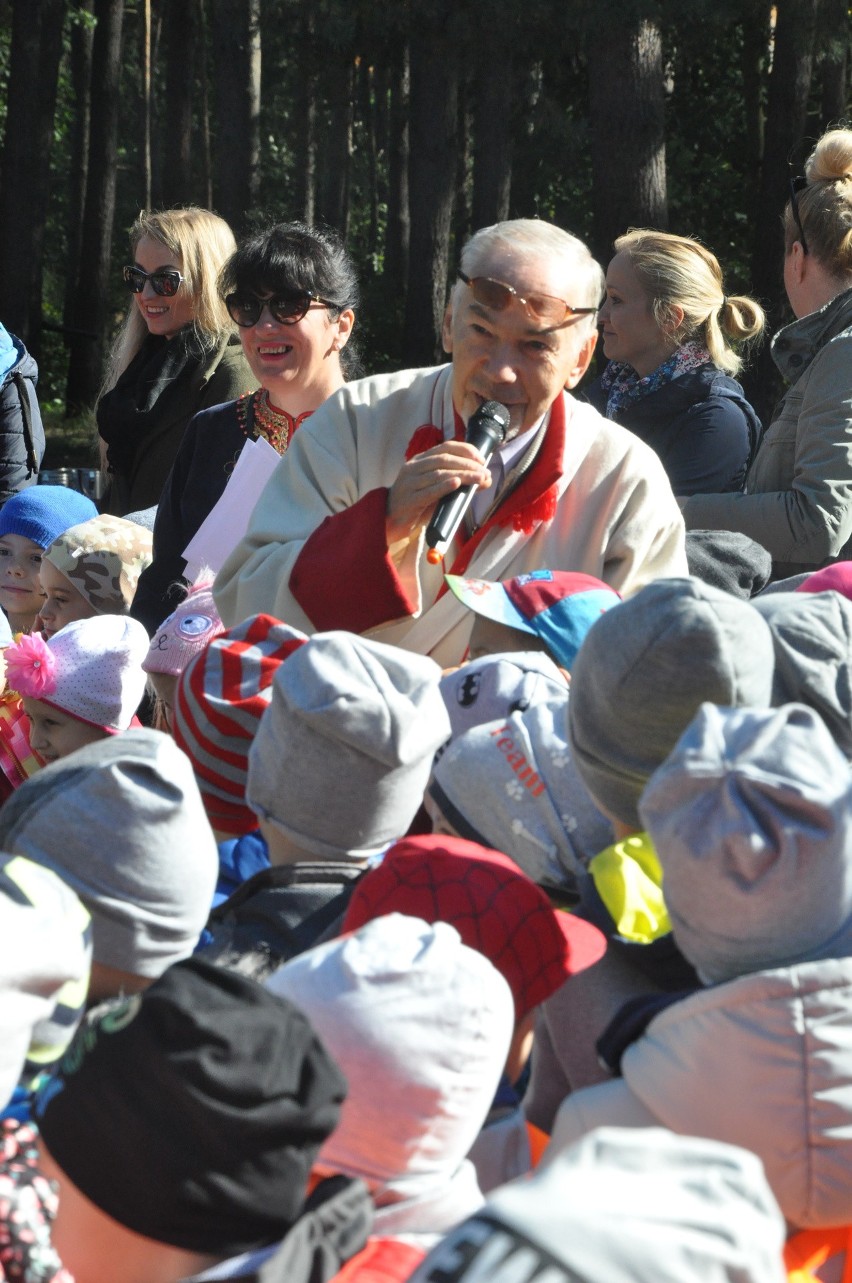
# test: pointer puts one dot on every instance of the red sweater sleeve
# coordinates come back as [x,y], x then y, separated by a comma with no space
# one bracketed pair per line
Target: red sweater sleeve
[344,577]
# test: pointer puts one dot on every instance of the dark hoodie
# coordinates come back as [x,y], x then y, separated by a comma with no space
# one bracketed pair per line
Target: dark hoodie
[701,426]
[21,428]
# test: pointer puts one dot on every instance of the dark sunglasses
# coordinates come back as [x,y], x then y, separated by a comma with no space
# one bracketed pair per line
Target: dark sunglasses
[286,309]
[539,307]
[165,281]
[798,185]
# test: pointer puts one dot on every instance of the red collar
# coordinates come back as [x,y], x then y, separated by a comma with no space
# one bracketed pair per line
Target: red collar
[532,502]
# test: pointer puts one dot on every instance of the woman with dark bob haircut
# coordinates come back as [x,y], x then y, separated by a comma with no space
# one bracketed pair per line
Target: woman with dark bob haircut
[292,292]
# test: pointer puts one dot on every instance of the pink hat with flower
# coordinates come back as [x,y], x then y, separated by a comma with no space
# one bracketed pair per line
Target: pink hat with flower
[91,669]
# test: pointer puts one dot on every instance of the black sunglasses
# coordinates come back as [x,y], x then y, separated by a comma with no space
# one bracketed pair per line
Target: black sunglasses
[286,308]
[165,281]
[798,185]
[546,308]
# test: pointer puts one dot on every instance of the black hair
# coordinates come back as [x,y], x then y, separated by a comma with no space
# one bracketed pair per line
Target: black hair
[290,256]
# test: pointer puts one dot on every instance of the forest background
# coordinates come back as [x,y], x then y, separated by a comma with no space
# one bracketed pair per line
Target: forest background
[405,126]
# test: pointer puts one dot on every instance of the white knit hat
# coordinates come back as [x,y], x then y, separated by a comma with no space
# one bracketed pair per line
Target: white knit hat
[420,1024]
[91,669]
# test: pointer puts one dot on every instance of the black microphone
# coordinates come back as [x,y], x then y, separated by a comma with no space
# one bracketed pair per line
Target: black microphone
[486,429]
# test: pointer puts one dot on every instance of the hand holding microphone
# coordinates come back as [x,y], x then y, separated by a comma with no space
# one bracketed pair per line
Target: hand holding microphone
[486,430]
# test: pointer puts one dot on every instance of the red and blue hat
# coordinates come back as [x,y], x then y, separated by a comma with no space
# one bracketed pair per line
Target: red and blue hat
[559,606]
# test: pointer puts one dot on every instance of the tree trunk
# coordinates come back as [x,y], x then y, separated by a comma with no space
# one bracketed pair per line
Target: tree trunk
[81,81]
[398,229]
[786,114]
[492,117]
[305,140]
[207,162]
[625,58]
[834,64]
[756,15]
[433,115]
[176,185]
[337,152]
[36,48]
[145,95]
[236,59]
[85,369]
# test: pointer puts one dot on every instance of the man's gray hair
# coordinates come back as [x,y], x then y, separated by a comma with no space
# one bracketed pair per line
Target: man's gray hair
[533,238]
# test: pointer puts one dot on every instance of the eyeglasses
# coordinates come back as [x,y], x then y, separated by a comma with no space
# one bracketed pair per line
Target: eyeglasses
[286,308]
[798,185]
[545,308]
[165,281]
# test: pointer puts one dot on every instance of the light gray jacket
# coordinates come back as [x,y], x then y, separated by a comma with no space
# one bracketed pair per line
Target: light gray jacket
[764,1062]
[798,500]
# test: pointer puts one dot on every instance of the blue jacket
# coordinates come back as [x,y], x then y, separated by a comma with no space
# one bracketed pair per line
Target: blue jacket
[701,426]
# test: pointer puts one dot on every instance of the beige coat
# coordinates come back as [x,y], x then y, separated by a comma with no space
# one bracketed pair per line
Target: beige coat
[616,517]
[798,503]
[764,1062]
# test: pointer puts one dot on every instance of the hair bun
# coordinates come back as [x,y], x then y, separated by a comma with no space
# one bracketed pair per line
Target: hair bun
[831,159]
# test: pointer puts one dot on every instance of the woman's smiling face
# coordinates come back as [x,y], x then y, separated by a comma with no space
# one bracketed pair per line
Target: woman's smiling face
[165,316]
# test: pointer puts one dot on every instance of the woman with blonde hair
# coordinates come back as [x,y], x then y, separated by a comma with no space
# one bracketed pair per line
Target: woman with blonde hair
[667,330]
[799,489]
[176,354]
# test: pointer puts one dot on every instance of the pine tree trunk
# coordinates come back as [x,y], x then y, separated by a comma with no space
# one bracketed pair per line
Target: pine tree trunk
[786,115]
[398,230]
[433,116]
[181,35]
[625,57]
[236,50]
[81,81]
[305,141]
[492,117]
[85,368]
[36,47]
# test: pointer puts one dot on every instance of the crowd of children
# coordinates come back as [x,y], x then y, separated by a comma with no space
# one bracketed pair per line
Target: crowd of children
[321,964]
[316,1037]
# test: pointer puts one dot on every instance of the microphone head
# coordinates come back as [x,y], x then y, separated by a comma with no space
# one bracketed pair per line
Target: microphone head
[493,418]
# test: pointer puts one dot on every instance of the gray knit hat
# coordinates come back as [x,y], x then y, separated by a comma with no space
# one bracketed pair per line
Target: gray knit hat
[343,753]
[751,817]
[812,634]
[644,670]
[122,823]
[512,785]
[624,1206]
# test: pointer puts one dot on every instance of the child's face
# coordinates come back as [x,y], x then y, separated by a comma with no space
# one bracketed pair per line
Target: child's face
[20,590]
[488,637]
[54,734]
[62,602]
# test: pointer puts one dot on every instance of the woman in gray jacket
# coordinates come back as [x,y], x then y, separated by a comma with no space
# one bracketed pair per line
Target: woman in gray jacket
[798,500]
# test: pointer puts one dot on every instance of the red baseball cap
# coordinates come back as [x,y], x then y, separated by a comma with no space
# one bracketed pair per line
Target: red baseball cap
[493,905]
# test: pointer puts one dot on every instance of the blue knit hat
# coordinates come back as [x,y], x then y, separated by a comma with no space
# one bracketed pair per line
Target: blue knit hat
[42,513]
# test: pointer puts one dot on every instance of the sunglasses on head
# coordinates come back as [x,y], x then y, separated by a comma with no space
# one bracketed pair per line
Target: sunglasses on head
[286,308]
[798,185]
[165,281]
[545,308]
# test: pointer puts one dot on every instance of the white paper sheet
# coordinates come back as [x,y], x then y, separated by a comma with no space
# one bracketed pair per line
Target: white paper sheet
[226,524]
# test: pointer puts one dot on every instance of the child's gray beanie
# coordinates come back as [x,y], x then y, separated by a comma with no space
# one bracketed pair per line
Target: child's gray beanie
[644,670]
[343,753]
[122,823]
[751,817]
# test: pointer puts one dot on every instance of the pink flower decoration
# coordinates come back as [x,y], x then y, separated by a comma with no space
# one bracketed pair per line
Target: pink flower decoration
[31,667]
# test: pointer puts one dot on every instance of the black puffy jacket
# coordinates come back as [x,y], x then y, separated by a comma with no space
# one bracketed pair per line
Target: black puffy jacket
[21,428]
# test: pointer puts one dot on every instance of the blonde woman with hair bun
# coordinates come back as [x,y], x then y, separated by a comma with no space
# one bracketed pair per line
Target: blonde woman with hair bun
[668,331]
[799,489]
[176,353]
